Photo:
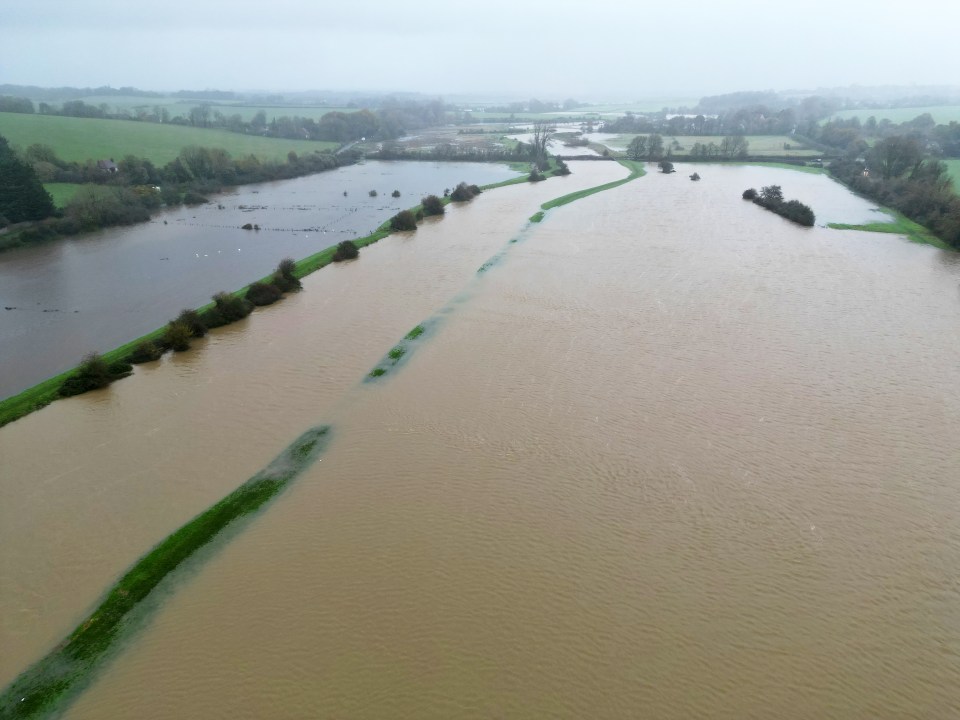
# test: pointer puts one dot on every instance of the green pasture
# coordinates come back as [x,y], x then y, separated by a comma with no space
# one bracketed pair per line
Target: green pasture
[942,114]
[80,139]
[62,192]
[772,145]
[953,165]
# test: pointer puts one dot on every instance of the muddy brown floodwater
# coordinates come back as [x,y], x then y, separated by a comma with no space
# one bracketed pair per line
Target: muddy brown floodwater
[671,457]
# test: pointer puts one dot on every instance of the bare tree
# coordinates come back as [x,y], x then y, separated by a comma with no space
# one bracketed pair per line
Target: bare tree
[542,132]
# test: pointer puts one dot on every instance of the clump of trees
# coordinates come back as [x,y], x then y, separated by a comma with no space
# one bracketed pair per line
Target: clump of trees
[432,205]
[463,192]
[346,250]
[771,198]
[261,293]
[94,373]
[22,196]
[666,167]
[403,221]
[284,277]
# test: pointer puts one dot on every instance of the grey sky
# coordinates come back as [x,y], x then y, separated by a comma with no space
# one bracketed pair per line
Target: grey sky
[594,50]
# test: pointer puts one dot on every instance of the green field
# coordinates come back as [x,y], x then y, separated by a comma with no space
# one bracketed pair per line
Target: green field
[772,145]
[953,165]
[942,114]
[80,139]
[63,192]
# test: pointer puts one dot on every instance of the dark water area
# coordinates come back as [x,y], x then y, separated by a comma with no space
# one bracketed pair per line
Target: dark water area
[95,292]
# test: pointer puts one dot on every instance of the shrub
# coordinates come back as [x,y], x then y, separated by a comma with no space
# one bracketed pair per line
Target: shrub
[283,277]
[93,373]
[247,226]
[145,351]
[403,220]
[346,250]
[665,166]
[535,176]
[194,198]
[263,294]
[432,205]
[191,318]
[230,307]
[372,193]
[395,193]
[750,194]
[177,336]
[464,192]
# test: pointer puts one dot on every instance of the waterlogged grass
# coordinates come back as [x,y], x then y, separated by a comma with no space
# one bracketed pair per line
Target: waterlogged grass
[415,333]
[636,170]
[537,216]
[901,225]
[785,166]
[397,353]
[68,668]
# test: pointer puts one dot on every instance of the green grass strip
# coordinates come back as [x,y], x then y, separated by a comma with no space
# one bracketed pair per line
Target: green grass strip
[636,170]
[901,225]
[537,216]
[68,668]
[785,166]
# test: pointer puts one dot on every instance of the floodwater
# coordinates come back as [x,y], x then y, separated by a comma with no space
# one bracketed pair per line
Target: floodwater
[671,457]
[98,291]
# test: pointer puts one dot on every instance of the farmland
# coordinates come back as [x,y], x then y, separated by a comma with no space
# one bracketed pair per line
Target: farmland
[941,114]
[771,145]
[953,165]
[80,139]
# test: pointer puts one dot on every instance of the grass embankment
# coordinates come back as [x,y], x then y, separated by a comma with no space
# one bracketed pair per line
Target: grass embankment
[901,225]
[69,667]
[636,170]
[80,139]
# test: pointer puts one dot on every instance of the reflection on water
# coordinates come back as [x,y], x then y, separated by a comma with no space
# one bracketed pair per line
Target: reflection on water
[98,291]
[673,457]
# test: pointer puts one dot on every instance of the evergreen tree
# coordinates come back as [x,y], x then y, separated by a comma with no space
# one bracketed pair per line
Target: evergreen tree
[22,196]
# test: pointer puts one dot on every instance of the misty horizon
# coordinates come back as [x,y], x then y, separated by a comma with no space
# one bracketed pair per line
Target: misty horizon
[502,50]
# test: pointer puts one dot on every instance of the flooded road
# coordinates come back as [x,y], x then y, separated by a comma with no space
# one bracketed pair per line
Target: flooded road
[98,291]
[672,457]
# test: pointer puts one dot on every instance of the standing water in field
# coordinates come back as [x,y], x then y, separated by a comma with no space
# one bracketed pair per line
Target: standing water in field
[94,292]
[670,456]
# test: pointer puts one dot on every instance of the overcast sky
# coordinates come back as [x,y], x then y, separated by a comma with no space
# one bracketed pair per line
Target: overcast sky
[531,48]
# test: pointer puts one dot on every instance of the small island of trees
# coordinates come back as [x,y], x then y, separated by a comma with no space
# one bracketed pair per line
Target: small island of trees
[771,198]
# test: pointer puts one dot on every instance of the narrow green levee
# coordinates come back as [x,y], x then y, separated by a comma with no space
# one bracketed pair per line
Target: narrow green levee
[68,668]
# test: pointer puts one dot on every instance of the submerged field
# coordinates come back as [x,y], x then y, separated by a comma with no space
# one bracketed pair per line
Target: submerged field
[760,145]
[80,139]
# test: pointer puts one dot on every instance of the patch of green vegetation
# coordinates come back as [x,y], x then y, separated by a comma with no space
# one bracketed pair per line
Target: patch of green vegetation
[415,333]
[397,353]
[39,690]
[942,114]
[953,168]
[62,193]
[377,372]
[537,216]
[901,225]
[80,139]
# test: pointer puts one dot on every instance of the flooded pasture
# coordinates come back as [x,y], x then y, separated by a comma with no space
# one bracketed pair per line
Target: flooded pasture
[92,293]
[671,456]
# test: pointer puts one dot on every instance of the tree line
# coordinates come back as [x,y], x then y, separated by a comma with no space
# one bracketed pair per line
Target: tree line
[391,119]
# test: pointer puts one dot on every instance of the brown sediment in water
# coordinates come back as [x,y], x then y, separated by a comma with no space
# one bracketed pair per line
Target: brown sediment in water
[90,484]
[669,454]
